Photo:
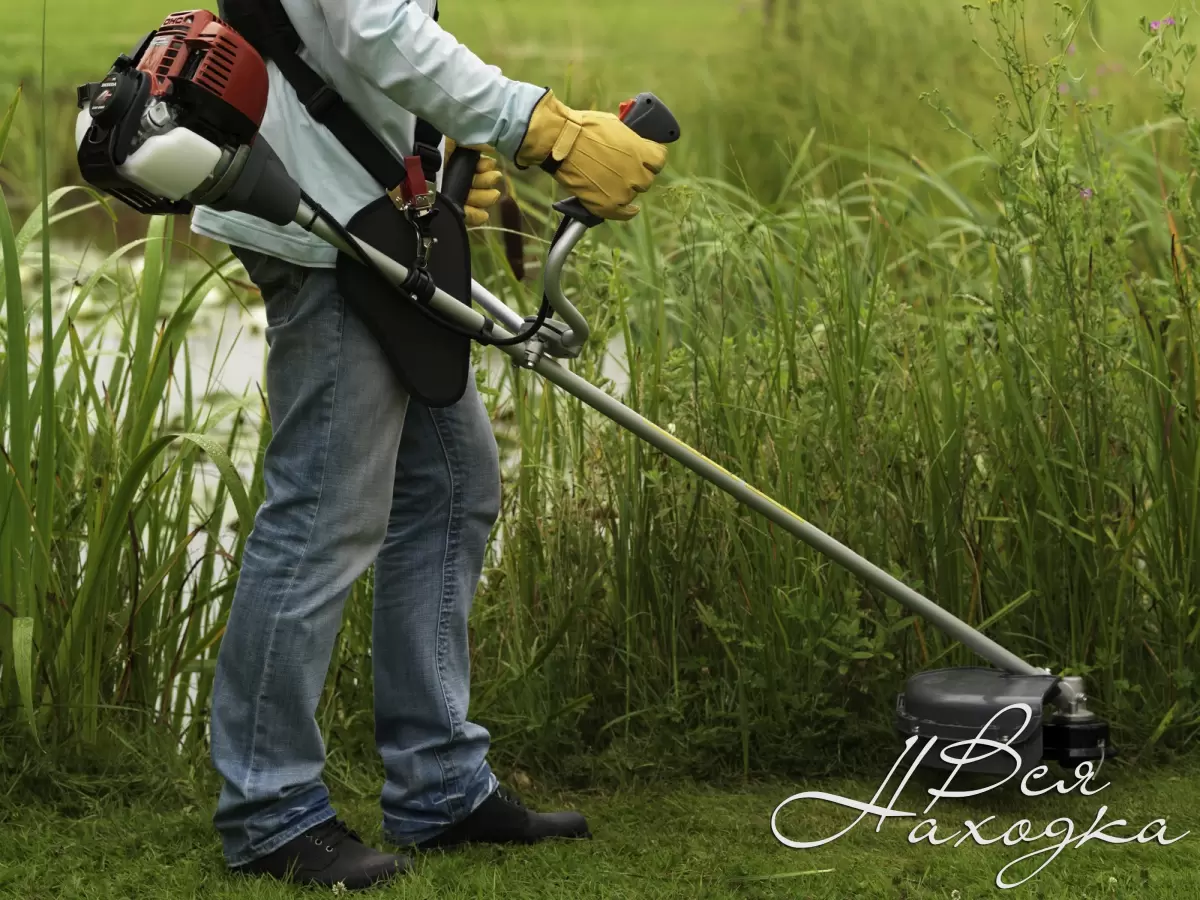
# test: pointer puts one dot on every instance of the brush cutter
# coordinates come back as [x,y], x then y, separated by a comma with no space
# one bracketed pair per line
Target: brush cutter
[175,126]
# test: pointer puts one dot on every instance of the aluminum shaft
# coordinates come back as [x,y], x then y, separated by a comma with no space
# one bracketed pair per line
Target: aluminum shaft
[450,308]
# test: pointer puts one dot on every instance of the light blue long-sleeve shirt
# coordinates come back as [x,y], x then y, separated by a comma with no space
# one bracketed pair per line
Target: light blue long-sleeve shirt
[391,63]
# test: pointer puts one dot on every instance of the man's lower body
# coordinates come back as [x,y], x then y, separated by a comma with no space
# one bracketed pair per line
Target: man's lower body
[356,474]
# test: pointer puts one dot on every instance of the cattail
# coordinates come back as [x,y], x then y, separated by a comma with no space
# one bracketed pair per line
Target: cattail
[514,235]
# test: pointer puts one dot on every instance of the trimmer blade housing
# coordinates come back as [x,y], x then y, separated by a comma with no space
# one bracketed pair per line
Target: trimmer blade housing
[958,705]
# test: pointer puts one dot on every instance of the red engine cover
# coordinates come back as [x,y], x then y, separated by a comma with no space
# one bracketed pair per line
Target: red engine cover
[198,47]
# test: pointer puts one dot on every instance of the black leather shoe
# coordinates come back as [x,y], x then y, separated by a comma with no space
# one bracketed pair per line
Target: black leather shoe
[326,855]
[503,819]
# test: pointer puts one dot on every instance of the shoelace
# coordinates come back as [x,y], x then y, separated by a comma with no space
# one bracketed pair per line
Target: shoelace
[332,833]
[507,795]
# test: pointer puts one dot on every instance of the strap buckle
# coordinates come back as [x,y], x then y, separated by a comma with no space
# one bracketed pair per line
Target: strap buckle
[322,101]
[431,160]
[414,196]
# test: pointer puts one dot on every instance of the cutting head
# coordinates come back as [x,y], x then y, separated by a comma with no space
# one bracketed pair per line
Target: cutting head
[958,705]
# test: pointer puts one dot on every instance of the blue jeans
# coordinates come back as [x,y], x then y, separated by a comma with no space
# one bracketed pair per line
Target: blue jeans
[355,474]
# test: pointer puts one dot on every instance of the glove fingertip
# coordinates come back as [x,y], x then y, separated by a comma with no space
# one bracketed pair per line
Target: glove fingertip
[488,181]
[483,199]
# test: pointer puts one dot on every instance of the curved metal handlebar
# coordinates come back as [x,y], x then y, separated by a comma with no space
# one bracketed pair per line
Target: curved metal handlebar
[559,341]
[578,332]
[648,117]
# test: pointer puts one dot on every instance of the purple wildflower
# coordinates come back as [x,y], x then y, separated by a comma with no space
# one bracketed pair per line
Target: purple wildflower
[1155,25]
[1169,20]
[1085,193]
[1063,88]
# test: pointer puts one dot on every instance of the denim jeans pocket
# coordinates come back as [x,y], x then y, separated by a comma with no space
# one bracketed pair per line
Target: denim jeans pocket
[279,282]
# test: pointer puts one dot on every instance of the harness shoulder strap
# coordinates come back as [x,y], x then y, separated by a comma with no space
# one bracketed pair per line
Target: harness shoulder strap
[265,24]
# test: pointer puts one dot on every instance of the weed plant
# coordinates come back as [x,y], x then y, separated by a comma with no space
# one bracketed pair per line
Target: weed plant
[982,377]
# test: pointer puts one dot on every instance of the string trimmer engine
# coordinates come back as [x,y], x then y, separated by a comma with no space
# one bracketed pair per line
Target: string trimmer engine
[169,119]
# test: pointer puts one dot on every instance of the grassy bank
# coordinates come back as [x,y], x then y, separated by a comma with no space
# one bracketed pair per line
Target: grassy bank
[982,376]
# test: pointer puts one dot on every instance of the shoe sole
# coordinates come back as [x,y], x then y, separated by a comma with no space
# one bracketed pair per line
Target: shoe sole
[512,842]
[326,885]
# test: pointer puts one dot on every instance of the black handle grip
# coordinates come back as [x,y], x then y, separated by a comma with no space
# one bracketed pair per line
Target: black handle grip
[459,175]
[648,117]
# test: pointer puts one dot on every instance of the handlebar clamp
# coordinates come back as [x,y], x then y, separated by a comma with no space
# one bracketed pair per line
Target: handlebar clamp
[551,333]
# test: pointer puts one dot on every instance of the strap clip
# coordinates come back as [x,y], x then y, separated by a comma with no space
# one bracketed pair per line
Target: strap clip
[414,196]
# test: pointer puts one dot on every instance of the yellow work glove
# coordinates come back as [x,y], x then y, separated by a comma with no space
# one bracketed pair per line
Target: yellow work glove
[484,193]
[594,155]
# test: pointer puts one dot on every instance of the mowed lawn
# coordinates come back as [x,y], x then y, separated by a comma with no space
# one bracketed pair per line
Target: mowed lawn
[682,841]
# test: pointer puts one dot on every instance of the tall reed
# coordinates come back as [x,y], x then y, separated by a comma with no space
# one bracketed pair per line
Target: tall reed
[102,607]
[983,378]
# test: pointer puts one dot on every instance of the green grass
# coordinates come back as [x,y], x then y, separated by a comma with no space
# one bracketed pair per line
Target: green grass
[99,839]
[856,74]
[978,376]
[537,31]
[992,393]
[940,352]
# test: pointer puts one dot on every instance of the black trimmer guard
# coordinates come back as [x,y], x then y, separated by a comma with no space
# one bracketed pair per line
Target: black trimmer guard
[954,705]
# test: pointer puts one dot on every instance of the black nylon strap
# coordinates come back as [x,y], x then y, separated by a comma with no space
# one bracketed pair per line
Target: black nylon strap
[266,25]
[326,106]
[426,138]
